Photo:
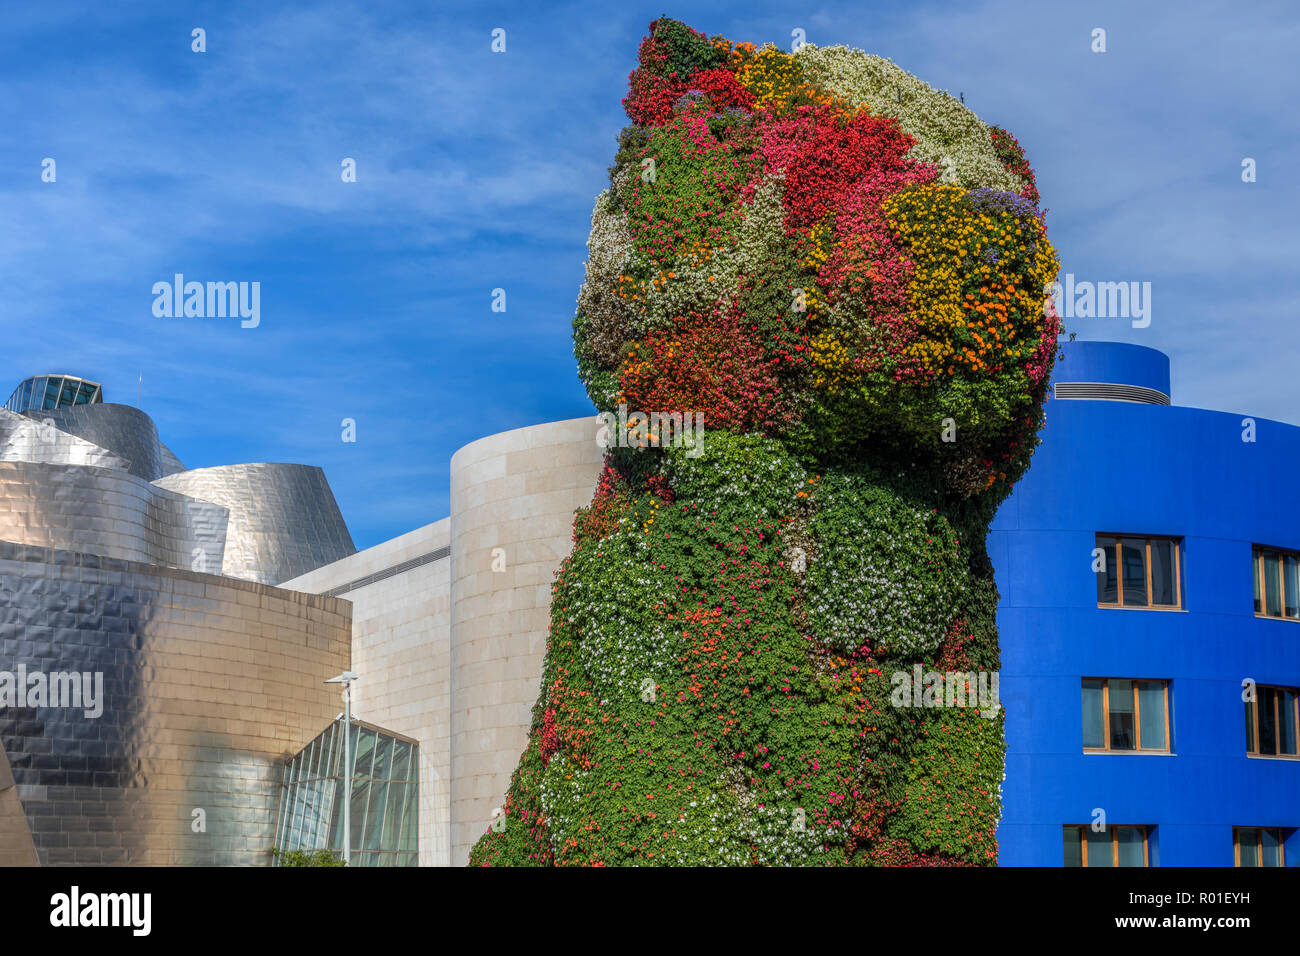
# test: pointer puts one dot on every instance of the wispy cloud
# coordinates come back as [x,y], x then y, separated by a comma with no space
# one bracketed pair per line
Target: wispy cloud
[477,171]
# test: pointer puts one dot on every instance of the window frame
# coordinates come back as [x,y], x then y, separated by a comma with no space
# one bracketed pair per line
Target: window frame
[1257,552]
[1113,831]
[1279,832]
[1137,716]
[1254,713]
[1119,537]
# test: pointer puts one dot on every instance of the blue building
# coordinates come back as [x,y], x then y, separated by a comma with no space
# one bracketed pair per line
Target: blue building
[1149,570]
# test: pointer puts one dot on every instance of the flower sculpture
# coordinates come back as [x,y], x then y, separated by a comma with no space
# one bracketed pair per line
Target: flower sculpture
[844,272]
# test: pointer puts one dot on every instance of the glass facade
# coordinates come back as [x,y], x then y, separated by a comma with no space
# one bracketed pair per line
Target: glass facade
[54,391]
[384,799]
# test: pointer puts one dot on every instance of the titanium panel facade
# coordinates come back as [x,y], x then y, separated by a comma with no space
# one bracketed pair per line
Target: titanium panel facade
[108,512]
[16,846]
[170,463]
[27,439]
[196,687]
[125,431]
[284,520]
[208,685]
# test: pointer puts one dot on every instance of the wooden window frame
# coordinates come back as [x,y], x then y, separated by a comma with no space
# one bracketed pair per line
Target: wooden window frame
[1113,830]
[1277,717]
[1119,537]
[1257,552]
[1281,845]
[1137,717]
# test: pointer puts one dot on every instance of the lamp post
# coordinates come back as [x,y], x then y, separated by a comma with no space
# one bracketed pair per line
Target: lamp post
[346,679]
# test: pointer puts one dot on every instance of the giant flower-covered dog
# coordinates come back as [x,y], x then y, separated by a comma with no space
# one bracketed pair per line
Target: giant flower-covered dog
[841,272]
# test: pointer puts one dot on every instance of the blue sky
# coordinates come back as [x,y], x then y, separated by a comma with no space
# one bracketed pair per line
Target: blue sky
[478,170]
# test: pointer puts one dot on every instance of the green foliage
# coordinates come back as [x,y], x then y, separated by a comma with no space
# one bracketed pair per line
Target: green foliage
[688,51]
[691,200]
[686,716]
[950,802]
[744,478]
[601,383]
[518,836]
[307,858]
[890,573]
[766,299]
[632,140]
[727,633]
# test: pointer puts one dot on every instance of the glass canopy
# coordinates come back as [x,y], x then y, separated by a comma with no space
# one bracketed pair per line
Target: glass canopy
[385,796]
[53,391]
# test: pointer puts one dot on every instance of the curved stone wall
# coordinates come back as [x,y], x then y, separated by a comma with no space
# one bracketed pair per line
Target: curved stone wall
[121,429]
[207,684]
[284,520]
[517,492]
[401,640]
[108,512]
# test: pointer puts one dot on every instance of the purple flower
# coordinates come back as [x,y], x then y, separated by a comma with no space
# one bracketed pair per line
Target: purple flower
[984,199]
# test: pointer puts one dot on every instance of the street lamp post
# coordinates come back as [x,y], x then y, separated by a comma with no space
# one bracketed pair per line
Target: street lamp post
[346,679]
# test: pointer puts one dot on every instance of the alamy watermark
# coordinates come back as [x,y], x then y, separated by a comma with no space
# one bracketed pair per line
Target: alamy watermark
[638,429]
[212,300]
[62,689]
[125,910]
[1103,300]
[975,689]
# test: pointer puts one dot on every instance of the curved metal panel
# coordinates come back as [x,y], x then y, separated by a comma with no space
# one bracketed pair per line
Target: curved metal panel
[28,439]
[284,520]
[123,430]
[16,846]
[201,686]
[108,512]
[170,463]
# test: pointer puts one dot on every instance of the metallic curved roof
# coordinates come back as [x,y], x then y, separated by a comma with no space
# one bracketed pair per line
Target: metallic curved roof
[284,520]
[122,429]
[92,476]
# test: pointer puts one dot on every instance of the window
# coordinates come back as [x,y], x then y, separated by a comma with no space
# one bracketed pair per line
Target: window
[1258,846]
[1272,720]
[1277,583]
[1139,572]
[1125,715]
[383,804]
[1113,846]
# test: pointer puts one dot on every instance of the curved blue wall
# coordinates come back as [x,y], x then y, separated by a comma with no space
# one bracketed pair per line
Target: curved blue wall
[1115,362]
[1152,470]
